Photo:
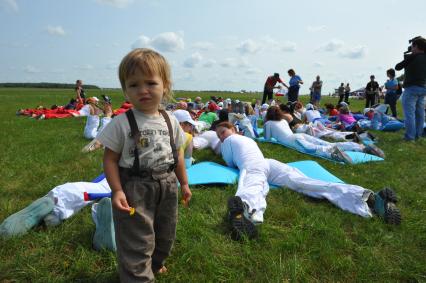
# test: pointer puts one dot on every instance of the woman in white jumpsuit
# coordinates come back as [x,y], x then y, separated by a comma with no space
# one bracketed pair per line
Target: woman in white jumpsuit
[92,127]
[256,173]
[278,128]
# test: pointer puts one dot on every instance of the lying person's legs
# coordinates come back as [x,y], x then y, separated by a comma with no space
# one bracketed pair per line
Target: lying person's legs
[351,198]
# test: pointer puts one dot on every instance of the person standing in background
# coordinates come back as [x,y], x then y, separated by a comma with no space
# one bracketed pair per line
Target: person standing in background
[316,91]
[371,91]
[391,86]
[347,92]
[270,83]
[295,82]
[341,92]
[80,94]
[413,103]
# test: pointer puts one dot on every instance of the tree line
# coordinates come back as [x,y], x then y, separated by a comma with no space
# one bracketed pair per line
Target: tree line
[46,85]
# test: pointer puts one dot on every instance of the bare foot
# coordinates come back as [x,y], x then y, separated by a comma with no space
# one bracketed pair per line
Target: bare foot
[162,270]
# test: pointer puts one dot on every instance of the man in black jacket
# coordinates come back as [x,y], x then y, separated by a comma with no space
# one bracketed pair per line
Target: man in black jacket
[371,91]
[413,103]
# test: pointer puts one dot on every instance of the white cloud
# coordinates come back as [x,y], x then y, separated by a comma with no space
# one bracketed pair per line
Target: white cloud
[248,46]
[164,42]
[168,42]
[253,71]
[331,46]
[203,45]
[315,28]
[31,69]
[193,60]
[209,63]
[9,5]
[141,42]
[318,64]
[288,46]
[58,30]
[84,67]
[269,42]
[356,52]
[116,3]
[229,62]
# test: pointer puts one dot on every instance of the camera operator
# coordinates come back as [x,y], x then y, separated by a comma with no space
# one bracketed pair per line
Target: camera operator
[414,65]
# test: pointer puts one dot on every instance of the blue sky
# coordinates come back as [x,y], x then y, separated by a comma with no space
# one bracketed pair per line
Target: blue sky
[211,45]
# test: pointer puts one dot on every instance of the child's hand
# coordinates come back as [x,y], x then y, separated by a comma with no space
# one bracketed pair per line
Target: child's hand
[119,201]
[186,195]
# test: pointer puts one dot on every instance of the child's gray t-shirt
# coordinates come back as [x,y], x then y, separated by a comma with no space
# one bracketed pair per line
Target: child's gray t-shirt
[156,151]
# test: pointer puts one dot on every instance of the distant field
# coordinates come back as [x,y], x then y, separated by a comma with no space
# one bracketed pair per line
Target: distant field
[302,240]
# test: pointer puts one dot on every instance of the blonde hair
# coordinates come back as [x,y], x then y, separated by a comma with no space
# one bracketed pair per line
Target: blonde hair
[249,109]
[150,63]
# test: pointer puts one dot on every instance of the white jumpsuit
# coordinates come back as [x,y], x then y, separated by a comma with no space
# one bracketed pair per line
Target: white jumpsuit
[256,172]
[69,197]
[281,131]
[92,128]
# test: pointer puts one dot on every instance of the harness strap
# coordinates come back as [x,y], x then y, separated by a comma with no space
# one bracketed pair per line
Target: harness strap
[136,135]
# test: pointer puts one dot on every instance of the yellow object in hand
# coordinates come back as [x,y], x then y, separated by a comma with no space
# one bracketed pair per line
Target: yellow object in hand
[132,211]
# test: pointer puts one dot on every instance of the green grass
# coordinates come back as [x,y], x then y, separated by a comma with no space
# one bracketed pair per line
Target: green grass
[302,239]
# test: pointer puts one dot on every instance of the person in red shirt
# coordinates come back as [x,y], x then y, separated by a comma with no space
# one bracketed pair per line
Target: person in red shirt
[270,83]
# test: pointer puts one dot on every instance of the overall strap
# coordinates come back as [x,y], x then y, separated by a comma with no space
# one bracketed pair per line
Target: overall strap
[136,135]
[172,142]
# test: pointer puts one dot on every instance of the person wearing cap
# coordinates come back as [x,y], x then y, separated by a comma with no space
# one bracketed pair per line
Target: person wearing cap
[413,98]
[311,114]
[270,83]
[209,115]
[371,92]
[187,124]
[263,110]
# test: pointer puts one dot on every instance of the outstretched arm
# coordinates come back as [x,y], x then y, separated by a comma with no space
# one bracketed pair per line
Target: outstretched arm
[119,200]
[180,172]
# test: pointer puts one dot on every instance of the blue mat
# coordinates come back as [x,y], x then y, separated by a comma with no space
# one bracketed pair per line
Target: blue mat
[207,172]
[357,157]
[212,173]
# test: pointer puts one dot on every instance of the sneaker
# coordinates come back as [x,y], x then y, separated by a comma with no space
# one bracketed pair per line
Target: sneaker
[385,206]
[371,136]
[106,98]
[52,220]
[373,149]
[356,138]
[41,117]
[341,156]
[104,237]
[91,146]
[238,216]
[22,221]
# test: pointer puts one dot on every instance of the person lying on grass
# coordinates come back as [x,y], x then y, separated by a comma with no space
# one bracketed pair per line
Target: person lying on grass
[278,128]
[246,208]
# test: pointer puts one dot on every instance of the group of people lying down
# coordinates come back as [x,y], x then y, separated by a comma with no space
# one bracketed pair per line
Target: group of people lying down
[245,210]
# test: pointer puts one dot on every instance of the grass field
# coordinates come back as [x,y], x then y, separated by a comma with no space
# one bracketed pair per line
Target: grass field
[302,239]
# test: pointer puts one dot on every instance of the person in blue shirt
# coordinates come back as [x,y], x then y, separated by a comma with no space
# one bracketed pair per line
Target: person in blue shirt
[391,86]
[294,85]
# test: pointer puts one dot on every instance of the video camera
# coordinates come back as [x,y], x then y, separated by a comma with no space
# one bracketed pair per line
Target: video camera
[408,52]
[106,98]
